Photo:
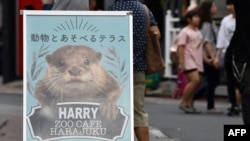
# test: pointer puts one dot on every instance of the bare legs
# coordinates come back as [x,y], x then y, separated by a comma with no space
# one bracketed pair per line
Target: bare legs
[193,82]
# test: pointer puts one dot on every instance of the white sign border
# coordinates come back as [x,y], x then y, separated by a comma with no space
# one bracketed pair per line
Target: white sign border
[26,13]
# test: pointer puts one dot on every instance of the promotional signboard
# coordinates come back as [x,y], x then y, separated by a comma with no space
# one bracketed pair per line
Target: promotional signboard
[78,80]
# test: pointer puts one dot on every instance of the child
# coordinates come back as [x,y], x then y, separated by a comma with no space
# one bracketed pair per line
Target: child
[189,43]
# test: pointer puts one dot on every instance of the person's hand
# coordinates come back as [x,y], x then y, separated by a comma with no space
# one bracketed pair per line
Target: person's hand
[209,61]
[181,67]
[216,62]
[47,1]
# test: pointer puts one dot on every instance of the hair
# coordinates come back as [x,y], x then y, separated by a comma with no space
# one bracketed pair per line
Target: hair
[229,2]
[189,15]
[205,11]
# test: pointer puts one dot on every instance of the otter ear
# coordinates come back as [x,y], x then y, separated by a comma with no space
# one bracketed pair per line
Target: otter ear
[99,55]
[48,58]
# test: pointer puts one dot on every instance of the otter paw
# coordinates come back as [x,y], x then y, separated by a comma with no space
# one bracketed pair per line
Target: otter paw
[109,110]
[47,112]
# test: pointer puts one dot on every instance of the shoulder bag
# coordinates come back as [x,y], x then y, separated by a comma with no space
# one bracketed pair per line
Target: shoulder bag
[154,59]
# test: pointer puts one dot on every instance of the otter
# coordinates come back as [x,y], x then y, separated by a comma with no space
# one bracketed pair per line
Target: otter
[75,74]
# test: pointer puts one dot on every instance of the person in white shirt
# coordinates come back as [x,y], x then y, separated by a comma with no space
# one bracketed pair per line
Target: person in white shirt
[225,35]
[226,32]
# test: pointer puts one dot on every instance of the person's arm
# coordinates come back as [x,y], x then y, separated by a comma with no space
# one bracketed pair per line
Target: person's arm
[180,52]
[208,54]
[209,50]
[154,25]
[181,42]
[217,57]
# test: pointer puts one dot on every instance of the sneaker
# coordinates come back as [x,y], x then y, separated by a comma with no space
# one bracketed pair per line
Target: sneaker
[233,111]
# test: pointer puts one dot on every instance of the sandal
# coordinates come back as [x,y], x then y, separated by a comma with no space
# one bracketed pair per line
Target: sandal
[193,111]
[214,111]
[189,110]
[184,108]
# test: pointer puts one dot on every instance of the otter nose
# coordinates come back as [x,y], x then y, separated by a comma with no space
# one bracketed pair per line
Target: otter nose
[74,71]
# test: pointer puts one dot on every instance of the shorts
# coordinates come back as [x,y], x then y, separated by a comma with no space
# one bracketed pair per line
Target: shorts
[140,115]
[189,71]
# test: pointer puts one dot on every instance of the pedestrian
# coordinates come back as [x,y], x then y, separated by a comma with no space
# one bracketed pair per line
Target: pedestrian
[238,51]
[139,45]
[209,32]
[226,31]
[189,50]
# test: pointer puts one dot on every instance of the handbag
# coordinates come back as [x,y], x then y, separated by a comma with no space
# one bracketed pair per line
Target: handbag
[154,59]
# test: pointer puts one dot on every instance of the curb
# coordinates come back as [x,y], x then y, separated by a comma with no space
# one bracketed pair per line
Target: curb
[159,135]
[3,122]
[15,87]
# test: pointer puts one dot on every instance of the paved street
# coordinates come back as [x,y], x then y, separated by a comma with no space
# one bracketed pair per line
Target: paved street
[170,120]
[11,109]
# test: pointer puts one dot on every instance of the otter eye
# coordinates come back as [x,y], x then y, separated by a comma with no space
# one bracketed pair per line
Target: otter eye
[60,63]
[86,62]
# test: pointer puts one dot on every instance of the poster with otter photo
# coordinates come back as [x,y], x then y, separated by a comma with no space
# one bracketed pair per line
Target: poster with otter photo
[78,80]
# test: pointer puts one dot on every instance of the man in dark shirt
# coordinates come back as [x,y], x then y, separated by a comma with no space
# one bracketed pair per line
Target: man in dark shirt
[139,61]
[239,53]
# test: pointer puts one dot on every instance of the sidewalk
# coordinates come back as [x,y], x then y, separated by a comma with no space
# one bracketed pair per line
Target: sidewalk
[15,87]
[11,126]
[6,122]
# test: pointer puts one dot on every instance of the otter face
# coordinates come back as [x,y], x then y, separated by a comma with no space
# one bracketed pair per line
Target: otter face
[73,65]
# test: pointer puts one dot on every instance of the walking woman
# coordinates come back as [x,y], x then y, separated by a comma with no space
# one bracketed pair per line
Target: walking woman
[209,32]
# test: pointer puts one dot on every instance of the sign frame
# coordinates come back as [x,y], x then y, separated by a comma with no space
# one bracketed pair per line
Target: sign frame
[32,104]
